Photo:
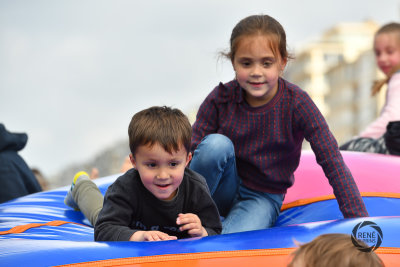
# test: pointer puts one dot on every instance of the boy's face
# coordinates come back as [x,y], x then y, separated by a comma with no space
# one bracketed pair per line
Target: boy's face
[257,69]
[161,172]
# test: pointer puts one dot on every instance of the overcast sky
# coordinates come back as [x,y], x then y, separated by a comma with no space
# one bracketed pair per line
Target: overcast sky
[73,72]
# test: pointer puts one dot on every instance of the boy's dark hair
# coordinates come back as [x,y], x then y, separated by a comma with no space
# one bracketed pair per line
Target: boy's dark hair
[163,125]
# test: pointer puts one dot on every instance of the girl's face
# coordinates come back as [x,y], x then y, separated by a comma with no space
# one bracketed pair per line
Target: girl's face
[257,69]
[387,51]
[161,172]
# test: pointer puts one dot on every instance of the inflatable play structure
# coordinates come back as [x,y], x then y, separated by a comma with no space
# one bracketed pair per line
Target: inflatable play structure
[39,230]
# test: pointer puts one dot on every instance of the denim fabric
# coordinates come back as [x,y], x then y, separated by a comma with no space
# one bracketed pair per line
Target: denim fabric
[214,159]
[244,209]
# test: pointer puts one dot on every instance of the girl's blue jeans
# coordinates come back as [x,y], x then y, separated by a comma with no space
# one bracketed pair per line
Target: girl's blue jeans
[244,209]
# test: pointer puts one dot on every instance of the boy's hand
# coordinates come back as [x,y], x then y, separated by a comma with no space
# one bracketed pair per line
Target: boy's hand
[191,222]
[151,236]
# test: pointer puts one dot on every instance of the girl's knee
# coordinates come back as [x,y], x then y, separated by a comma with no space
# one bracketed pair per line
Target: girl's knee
[214,149]
[218,142]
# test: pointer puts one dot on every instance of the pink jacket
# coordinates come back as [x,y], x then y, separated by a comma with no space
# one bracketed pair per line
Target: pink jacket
[390,111]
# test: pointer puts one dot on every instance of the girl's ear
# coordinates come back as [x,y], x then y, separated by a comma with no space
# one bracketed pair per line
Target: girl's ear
[233,65]
[283,63]
[132,159]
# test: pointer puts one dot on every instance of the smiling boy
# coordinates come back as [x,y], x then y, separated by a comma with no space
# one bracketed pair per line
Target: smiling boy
[159,198]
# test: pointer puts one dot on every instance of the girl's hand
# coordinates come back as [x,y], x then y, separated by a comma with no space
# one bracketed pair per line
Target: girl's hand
[151,236]
[191,222]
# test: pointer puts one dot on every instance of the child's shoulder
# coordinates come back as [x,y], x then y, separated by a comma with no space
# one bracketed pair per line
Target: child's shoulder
[229,85]
[194,178]
[226,92]
[294,90]
[395,77]
[127,179]
[291,86]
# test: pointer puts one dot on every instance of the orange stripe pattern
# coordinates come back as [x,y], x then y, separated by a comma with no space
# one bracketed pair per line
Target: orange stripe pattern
[22,228]
[173,259]
[306,201]
[239,258]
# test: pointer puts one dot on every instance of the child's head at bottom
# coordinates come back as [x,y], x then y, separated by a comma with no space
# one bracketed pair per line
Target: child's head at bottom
[331,250]
[159,140]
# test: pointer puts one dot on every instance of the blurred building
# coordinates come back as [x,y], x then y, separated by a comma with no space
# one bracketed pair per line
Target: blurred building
[107,162]
[338,71]
[349,102]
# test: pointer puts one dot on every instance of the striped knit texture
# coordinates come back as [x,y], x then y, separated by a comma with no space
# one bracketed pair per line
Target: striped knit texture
[268,140]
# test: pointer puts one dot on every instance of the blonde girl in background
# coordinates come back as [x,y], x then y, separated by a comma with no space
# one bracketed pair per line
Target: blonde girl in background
[383,134]
[248,133]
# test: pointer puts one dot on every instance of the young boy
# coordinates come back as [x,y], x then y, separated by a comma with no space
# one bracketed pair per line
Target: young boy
[159,199]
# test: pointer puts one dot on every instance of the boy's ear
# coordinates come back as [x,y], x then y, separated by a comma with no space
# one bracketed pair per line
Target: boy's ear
[189,158]
[132,159]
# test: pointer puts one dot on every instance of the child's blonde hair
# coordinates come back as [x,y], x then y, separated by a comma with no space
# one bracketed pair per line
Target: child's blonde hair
[332,250]
[387,28]
[263,25]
